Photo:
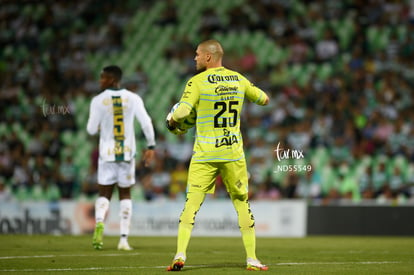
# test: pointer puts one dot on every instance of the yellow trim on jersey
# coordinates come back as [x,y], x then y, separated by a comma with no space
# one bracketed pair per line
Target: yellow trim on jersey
[119,128]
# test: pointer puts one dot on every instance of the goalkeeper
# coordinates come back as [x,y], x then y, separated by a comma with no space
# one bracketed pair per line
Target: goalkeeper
[217,95]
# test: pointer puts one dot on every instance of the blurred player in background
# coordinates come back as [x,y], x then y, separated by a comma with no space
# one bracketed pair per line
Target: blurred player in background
[112,114]
[217,95]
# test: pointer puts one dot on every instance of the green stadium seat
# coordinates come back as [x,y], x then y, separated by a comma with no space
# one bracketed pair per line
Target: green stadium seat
[80,138]
[257,40]
[52,193]
[137,193]
[400,162]
[402,32]
[46,36]
[329,179]
[378,38]
[295,70]
[298,8]
[4,129]
[349,185]
[25,138]
[67,136]
[300,163]
[137,19]
[319,27]
[305,73]
[37,193]
[324,70]
[22,193]
[410,174]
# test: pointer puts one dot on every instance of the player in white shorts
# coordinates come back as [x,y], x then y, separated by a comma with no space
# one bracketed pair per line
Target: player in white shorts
[110,173]
[112,114]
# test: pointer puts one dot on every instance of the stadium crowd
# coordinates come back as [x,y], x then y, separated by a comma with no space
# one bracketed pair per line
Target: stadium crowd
[353,125]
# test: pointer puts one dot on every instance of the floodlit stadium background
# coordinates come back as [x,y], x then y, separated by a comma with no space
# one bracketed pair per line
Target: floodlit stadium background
[339,73]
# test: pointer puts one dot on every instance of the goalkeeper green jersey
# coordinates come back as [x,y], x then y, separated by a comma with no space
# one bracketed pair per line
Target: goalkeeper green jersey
[217,94]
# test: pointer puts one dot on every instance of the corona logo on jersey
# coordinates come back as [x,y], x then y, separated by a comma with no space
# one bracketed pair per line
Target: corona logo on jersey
[214,78]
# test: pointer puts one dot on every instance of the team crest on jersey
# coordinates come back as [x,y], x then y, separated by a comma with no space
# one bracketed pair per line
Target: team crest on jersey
[239,184]
[186,94]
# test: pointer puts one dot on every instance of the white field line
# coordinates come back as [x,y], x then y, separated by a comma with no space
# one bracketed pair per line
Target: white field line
[188,266]
[55,256]
[340,263]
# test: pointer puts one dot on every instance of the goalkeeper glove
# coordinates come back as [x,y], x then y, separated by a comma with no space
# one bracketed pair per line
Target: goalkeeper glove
[173,129]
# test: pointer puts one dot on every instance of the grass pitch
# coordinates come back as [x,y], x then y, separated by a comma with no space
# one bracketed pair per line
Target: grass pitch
[41,254]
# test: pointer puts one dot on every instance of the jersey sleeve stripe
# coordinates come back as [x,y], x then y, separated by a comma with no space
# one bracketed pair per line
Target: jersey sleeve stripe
[218,158]
[200,136]
[259,99]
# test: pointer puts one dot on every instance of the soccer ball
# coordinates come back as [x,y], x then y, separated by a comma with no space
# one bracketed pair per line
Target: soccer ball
[187,122]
